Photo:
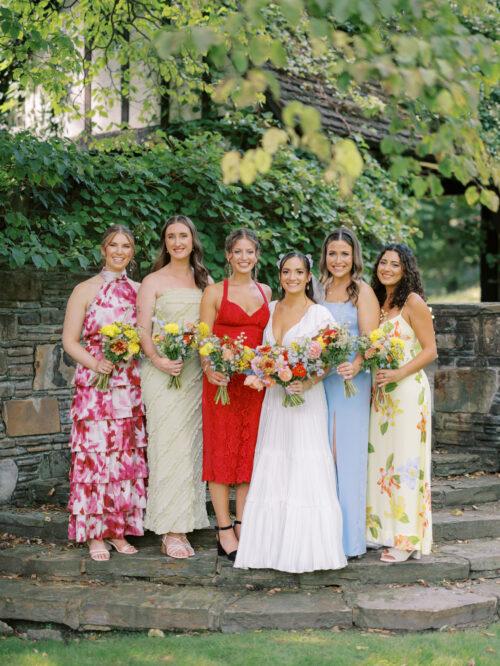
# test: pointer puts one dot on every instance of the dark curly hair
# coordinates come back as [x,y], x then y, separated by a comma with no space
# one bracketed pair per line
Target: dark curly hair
[410,281]
[307,265]
[196,259]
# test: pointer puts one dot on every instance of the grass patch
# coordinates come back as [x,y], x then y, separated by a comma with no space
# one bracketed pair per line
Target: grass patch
[479,647]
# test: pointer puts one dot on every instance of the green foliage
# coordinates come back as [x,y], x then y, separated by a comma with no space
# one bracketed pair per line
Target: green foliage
[430,67]
[449,244]
[57,199]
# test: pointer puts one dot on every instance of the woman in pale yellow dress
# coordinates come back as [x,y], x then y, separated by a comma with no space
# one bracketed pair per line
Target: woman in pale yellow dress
[176,501]
[399,461]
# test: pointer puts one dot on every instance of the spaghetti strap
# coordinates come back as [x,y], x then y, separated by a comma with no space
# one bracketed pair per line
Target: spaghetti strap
[224,292]
[404,304]
[262,292]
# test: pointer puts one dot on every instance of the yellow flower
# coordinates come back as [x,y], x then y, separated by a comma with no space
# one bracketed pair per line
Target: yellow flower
[397,509]
[206,349]
[110,330]
[133,348]
[172,328]
[130,333]
[248,354]
[321,341]
[295,346]
[397,342]
[203,329]
[376,334]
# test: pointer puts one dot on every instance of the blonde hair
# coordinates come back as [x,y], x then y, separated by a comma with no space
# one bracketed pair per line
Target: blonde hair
[111,232]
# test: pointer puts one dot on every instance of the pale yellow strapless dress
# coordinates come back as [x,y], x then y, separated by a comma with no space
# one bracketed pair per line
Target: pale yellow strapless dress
[176,494]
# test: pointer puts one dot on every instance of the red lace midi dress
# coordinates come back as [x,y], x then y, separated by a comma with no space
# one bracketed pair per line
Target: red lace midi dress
[230,431]
[108,464]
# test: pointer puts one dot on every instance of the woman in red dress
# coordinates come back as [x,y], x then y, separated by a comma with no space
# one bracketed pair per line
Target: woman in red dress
[236,305]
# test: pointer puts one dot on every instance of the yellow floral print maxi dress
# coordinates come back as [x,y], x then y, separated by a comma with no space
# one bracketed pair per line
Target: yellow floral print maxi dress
[398,511]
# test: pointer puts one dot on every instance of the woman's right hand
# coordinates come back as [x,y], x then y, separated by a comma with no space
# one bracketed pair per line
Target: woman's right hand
[215,377]
[167,366]
[102,366]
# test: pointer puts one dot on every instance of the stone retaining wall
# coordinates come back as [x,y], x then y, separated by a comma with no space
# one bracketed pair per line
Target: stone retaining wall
[35,376]
[467,380]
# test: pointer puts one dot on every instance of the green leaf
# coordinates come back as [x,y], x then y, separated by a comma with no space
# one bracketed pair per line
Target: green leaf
[389,461]
[421,397]
[472,195]
[292,10]
[277,54]
[239,59]
[370,448]
[391,386]
[489,199]
[259,50]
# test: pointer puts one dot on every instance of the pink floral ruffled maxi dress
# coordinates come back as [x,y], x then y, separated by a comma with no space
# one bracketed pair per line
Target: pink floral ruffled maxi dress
[108,464]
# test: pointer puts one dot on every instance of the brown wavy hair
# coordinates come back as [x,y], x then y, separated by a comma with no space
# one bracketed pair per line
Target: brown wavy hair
[306,262]
[196,256]
[237,235]
[410,281]
[110,233]
[343,234]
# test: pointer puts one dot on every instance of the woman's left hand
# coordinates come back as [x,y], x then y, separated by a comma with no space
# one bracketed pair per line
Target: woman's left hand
[384,377]
[348,370]
[296,388]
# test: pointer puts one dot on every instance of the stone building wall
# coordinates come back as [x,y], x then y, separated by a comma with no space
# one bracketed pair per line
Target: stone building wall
[35,376]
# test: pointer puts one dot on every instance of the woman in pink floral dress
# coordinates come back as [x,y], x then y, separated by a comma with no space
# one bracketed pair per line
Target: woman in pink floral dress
[108,466]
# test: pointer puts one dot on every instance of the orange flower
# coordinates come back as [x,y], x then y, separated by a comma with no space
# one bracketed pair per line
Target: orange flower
[299,371]
[118,347]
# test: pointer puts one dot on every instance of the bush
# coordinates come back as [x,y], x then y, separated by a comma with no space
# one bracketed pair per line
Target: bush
[57,198]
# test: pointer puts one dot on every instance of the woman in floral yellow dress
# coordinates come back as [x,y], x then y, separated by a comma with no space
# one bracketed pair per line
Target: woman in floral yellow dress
[399,462]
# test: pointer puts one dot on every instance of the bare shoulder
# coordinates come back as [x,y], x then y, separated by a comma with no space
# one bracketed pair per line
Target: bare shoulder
[415,301]
[90,286]
[213,291]
[85,292]
[267,290]
[416,306]
[365,290]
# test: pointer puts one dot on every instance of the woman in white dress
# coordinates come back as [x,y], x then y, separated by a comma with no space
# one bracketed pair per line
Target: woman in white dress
[292,519]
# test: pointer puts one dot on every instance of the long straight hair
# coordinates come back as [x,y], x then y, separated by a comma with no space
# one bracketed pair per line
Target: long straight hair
[196,256]
[343,234]
[307,265]
[239,234]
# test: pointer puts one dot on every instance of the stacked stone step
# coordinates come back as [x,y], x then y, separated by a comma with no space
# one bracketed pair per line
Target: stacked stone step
[458,585]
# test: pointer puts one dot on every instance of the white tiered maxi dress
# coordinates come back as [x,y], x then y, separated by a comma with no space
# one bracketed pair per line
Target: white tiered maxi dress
[292,519]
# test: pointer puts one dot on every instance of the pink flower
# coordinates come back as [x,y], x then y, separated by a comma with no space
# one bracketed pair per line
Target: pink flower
[314,350]
[285,374]
[227,354]
[254,382]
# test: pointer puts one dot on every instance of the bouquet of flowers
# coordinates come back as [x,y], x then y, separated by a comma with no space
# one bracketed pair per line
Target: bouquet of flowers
[120,344]
[284,365]
[177,343]
[337,345]
[382,348]
[227,356]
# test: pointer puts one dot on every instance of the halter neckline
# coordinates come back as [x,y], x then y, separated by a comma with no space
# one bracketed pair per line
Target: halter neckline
[109,276]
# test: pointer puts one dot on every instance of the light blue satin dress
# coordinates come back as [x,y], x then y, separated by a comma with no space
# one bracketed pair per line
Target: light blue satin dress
[351,418]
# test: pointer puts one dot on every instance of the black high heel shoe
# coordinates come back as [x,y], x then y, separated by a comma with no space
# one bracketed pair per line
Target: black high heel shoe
[220,550]
[236,522]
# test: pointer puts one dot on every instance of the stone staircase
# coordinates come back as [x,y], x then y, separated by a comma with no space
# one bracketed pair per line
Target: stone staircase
[47,580]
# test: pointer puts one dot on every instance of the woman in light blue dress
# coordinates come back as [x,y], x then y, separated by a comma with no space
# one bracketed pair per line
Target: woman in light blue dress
[353,303]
